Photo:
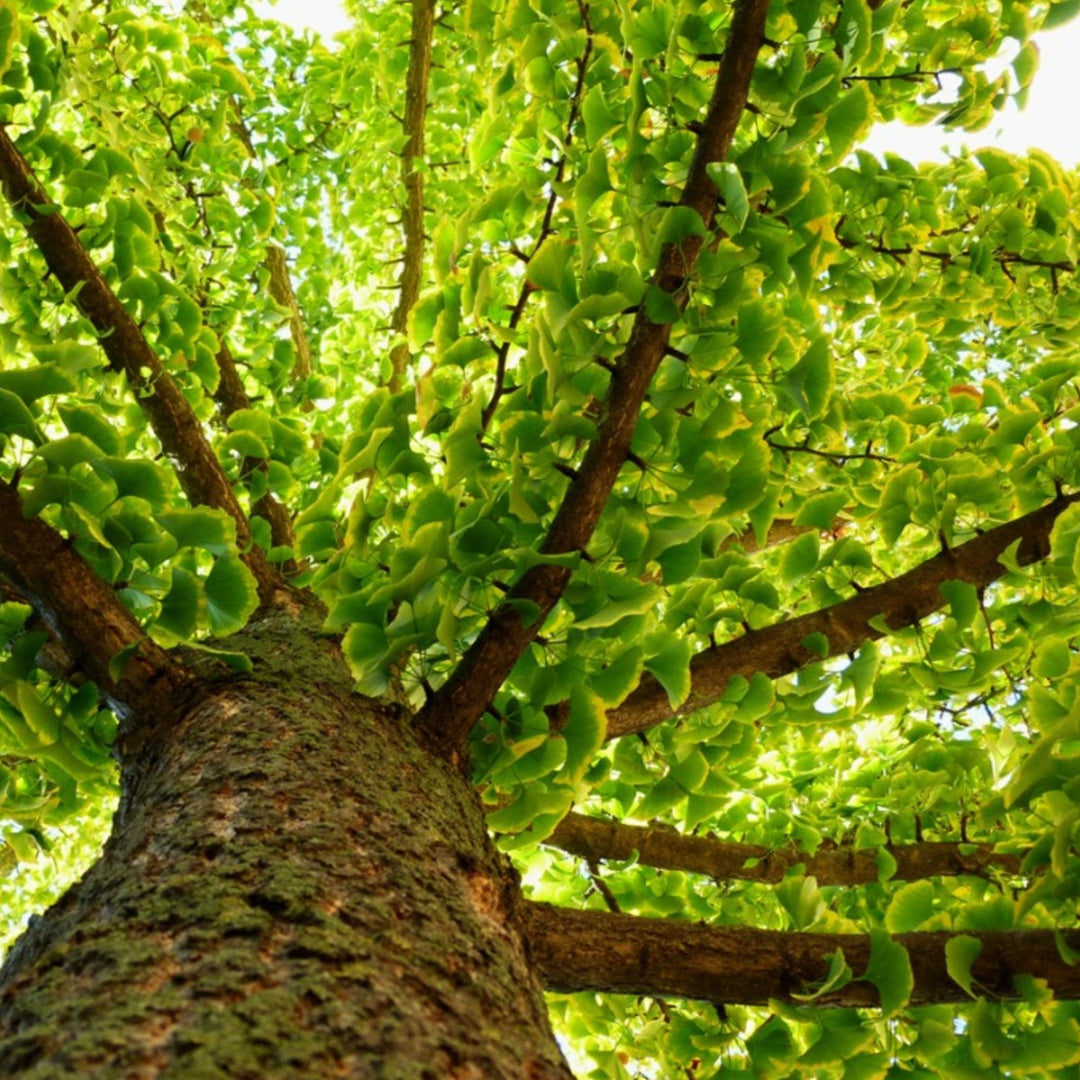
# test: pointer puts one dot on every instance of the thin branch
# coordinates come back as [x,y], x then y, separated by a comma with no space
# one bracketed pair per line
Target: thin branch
[546,229]
[281,291]
[86,615]
[412,179]
[167,410]
[624,954]
[593,839]
[449,715]
[902,601]
[836,457]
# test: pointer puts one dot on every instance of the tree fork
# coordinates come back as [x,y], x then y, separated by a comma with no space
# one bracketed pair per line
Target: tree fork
[449,715]
[161,400]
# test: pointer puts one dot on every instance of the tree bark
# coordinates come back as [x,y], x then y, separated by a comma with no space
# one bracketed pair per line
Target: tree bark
[625,954]
[593,838]
[293,888]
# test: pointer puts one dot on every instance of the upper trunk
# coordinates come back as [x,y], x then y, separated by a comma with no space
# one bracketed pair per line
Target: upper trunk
[292,888]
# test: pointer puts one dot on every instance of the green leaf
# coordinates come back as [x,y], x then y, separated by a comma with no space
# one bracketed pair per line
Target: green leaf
[837,977]
[616,682]
[736,203]
[848,118]
[819,511]
[584,731]
[671,666]
[800,558]
[963,601]
[200,526]
[890,971]
[15,417]
[231,595]
[911,906]
[179,614]
[548,269]
[365,647]
[960,953]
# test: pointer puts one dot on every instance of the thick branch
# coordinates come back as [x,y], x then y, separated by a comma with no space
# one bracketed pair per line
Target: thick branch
[597,838]
[624,954]
[458,704]
[778,650]
[84,613]
[412,179]
[167,410]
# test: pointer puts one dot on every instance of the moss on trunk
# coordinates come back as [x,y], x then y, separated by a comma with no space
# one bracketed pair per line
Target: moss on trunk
[293,888]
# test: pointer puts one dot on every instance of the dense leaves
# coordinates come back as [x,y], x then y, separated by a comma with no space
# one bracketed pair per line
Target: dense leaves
[870,362]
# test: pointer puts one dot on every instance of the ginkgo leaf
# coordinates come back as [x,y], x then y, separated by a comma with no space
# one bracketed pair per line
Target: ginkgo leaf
[231,595]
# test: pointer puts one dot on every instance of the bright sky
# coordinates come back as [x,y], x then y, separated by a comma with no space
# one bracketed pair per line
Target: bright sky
[1051,120]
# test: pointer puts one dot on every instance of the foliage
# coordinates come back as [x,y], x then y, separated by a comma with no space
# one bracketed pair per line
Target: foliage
[877,361]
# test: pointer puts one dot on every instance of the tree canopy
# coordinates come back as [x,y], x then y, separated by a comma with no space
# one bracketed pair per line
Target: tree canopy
[704,484]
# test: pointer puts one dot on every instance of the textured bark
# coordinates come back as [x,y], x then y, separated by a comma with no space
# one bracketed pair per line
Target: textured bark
[902,601]
[451,712]
[597,950]
[593,839]
[293,889]
[166,409]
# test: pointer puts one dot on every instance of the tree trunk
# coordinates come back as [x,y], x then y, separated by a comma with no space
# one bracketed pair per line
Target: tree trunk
[292,888]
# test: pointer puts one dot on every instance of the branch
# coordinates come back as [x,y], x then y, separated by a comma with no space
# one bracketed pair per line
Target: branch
[546,227]
[625,954]
[781,531]
[412,178]
[903,601]
[85,614]
[281,292]
[593,838]
[167,410]
[450,713]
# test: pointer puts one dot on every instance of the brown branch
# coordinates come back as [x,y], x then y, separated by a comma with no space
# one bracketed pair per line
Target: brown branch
[93,626]
[450,713]
[593,839]
[781,531]
[167,410]
[902,601]
[412,178]
[281,292]
[624,954]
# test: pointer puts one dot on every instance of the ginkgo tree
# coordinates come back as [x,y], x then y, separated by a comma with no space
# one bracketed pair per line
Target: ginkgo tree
[522,503]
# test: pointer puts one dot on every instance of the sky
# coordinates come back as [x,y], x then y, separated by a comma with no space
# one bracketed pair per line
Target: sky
[1051,120]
